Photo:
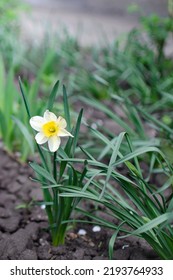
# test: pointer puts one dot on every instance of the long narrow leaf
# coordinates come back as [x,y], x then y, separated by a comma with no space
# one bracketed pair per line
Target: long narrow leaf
[112,160]
[112,241]
[24,98]
[66,109]
[44,173]
[152,224]
[25,133]
[53,96]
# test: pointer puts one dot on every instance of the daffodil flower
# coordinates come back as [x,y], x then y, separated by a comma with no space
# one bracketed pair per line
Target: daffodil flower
[50,129]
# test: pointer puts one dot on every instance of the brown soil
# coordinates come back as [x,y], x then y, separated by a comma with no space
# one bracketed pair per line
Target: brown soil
[24,234]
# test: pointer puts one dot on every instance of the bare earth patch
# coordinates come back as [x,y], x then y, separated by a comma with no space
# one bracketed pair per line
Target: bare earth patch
[24,234]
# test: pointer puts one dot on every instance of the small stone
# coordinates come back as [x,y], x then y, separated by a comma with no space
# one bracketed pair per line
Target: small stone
[72,235]
[91,244]
[96,229]
[43,242]
[82,232]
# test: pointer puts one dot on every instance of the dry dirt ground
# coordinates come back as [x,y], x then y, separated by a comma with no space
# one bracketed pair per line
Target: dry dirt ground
[24,232]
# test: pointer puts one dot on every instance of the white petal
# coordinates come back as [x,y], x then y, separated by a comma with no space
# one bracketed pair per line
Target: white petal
[49,116]
[53,143]
[37,122]
[62,122]
[41,138]
[63,132]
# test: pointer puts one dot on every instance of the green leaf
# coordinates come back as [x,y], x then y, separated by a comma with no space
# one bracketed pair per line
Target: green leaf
[24,98]
[66,109]
[25,133]
[87,154]
[152,224]
[139,152]
[53,96]
[112,241]
[3,125]
[43,172]
[132,114]
[113,160]
[76,132]
[2,81]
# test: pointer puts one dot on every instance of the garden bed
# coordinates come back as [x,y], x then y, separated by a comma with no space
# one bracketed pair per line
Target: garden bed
[24,234]
[116,166]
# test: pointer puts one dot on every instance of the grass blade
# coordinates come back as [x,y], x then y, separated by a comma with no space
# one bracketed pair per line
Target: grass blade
[24,98]
[152,224]
[112,241]
[113,160]
[44,173]
[25,133]
[66,109]
[76,132]
[53,96]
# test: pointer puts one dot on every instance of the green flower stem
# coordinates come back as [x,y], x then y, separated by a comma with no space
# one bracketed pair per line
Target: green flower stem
[55,199]
[58,236]
[54,166]
[50,218]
